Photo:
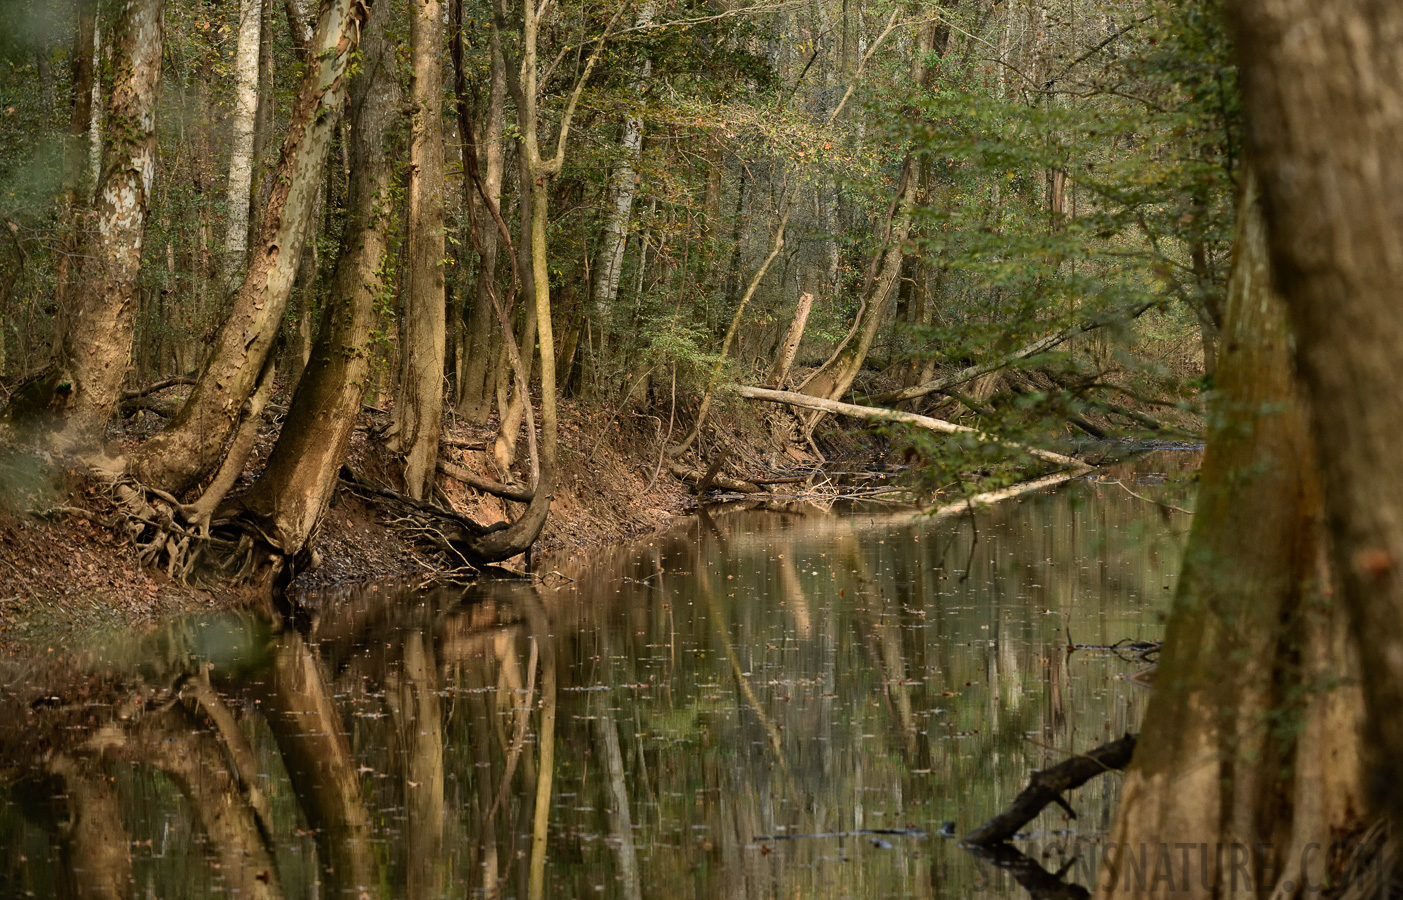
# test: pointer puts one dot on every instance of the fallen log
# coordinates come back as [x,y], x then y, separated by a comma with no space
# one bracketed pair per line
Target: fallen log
[487,486]
[806,401]
[724,482]
[1047,786]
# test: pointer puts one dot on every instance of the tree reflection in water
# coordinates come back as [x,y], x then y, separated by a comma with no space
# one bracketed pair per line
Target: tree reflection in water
[628,734]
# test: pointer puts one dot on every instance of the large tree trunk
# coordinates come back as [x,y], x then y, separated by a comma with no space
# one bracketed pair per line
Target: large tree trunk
[241,151]
[292,494]
[97,343]
[1250,643]
[419,405]
[192,445]
[476,375]
[1324,100]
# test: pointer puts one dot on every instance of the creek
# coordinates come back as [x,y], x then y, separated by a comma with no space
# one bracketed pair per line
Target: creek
[779,703]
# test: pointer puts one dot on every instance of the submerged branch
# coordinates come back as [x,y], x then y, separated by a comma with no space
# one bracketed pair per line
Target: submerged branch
[1047,786]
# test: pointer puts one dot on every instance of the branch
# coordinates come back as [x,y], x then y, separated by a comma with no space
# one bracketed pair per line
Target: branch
[806,401]
[487,486]
[1047,786]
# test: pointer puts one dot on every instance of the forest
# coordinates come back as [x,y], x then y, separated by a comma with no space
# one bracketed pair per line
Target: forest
[267,260]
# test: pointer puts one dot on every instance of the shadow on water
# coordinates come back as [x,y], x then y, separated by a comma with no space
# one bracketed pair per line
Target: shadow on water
[771,704]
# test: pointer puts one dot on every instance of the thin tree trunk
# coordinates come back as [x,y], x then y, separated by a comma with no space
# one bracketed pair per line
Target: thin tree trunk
[97,344]
[245,117]
[1250,641]
[476,372]
[291,495]
[835,377]
[610,264]
[191,446]
[1323,92]
[419,404]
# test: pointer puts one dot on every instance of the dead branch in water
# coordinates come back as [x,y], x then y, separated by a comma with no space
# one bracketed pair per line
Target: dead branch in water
[1047,786]
[790,398]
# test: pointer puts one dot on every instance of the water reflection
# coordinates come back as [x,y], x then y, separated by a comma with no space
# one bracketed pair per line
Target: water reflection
[756,705]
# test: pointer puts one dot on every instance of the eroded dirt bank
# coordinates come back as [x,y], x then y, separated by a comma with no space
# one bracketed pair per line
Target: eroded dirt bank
[65,564]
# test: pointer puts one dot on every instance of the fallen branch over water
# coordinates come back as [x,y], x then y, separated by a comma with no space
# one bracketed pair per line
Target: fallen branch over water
[790,398]
[1047,786]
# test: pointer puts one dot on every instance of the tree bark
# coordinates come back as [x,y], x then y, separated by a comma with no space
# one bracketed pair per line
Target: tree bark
[784,360]
[291,495]
[419,405]
[610,265]
[1250,640]
[192,445]
[97,344]
[477,350]
[241,158]
[1323,91]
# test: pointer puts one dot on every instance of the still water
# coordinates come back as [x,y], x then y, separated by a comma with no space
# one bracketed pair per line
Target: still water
[758,704]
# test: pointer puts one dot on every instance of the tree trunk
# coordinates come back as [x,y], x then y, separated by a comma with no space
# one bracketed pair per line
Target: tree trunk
[97,344]
[1323,94]
[419,404]
[835,377]
[191,446]
[1250,642]
[291,495]
[477,350]
[784,360]
[245,117]
[610,265]
[73,203]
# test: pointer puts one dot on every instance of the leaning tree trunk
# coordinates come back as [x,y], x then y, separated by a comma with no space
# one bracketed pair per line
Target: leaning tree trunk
[835,377]
[291,495]
[192,445]
[1250,644]
[97,342]
[419,405]
[1323,92]
[241,157]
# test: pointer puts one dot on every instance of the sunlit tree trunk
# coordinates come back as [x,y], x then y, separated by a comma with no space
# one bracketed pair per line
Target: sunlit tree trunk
[191,446]
[97,342]
[419,405]
[1251,643]
[241,159]
[291,495]
[1323,91]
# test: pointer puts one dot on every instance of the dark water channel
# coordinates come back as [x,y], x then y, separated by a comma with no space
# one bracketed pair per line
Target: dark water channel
[758,704]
